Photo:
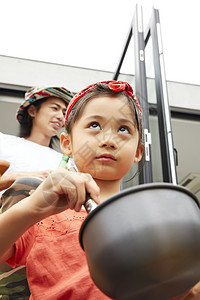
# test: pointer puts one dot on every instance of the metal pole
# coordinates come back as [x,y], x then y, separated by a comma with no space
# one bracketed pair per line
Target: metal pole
[164,118]
[141,92]
[116,74]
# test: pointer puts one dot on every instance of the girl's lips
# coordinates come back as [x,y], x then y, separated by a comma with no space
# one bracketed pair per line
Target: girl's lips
[106,157]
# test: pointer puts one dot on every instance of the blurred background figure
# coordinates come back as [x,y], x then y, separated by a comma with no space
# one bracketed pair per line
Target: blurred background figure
[31,154]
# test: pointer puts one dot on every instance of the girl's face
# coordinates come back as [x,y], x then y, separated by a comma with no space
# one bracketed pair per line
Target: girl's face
[104,140]
[49,119]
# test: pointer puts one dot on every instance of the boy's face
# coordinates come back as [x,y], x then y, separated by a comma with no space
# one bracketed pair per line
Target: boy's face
[104,140]
[49,119]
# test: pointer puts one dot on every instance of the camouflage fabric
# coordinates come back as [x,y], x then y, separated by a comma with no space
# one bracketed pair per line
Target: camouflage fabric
[13,282]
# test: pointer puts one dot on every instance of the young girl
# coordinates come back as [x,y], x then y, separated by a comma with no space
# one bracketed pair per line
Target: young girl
[104,134]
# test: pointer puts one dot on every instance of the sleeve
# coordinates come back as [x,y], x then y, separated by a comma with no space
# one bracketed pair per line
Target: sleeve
[19,190]
[23,247]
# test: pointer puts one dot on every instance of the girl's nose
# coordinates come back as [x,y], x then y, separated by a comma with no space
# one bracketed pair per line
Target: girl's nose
[109,145]
[108,140]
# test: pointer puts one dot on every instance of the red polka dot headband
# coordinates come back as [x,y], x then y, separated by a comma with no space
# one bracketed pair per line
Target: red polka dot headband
[113,85]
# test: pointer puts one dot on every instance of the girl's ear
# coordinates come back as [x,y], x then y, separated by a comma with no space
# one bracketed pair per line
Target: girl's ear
[65,143]
[138,154]
[31,111]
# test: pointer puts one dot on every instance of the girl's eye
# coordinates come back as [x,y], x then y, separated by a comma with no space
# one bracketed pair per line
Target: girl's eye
[54,107]
[123,129]
[94,125]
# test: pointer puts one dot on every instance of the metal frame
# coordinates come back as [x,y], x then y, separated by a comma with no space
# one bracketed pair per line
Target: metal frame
[164,117]
[166,139]
[178,113]
[145,176]
[12,90]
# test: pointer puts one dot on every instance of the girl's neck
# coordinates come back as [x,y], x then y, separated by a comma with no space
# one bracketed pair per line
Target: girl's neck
[107,188]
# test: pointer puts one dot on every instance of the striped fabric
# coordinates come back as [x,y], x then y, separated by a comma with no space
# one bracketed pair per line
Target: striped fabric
[38,93]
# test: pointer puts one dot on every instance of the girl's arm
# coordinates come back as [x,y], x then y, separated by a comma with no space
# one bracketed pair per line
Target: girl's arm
[61,190]
[13,223]
[7,179]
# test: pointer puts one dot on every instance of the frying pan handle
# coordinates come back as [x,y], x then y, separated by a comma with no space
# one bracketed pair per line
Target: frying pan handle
[89,204]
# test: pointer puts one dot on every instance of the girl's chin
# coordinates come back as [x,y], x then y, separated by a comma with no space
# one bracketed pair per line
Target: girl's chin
[104,175]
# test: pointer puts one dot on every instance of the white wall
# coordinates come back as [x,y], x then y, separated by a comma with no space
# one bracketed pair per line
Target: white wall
[22,72]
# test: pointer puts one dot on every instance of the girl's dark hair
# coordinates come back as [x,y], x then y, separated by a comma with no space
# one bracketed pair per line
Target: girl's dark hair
[26,124]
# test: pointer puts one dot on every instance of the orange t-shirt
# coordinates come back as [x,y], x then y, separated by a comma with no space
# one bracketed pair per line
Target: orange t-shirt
[56,264]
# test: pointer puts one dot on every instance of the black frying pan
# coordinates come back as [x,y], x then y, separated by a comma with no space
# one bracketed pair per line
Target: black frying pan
[144,243]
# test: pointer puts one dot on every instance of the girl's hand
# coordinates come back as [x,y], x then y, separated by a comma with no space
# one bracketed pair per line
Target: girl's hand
[192,294]
[62,190]
[40,174]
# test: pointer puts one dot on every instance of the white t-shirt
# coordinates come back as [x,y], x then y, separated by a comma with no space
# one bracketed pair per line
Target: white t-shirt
[27,156]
